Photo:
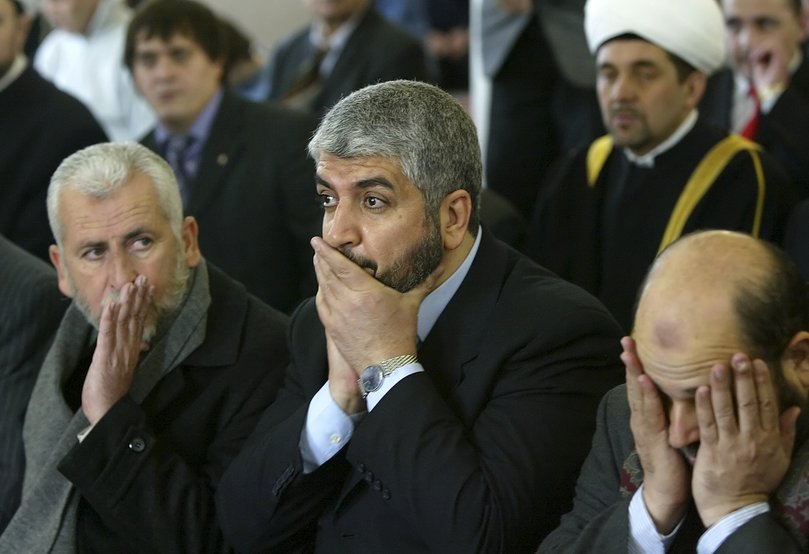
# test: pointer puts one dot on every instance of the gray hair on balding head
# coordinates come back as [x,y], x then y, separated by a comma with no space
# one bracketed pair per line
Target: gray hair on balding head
[100,170]
[421,127]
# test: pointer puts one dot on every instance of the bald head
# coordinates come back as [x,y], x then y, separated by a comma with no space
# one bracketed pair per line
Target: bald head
[715,293]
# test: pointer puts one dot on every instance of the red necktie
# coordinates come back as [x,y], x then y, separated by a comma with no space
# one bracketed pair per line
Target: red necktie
[751,127]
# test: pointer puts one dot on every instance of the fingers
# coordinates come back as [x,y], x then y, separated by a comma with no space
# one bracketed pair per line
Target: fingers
[767,398]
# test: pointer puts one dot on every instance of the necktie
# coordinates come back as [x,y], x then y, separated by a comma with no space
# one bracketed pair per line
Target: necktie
[176,153]
[307,79]
[750,128]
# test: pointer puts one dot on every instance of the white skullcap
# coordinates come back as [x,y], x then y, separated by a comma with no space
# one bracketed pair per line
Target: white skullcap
[693,30]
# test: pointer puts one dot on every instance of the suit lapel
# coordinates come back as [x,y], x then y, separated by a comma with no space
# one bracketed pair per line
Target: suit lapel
[455,339]
[221,151]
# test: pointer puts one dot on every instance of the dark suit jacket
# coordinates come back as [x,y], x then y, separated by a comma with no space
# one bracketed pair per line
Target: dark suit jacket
[159,498]
[796,239]
[599,521]
[478,453]
[254,198]
[376,51]
[30,310]
[782,131]
[42,126]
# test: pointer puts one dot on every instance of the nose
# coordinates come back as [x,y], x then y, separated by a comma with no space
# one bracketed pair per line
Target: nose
[340,227]
[622,89]
[683,426]
[163,67]
[121,271]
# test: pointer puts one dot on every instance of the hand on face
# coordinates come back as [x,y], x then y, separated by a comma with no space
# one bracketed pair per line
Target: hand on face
[120,342]
[768,64]
[365,320]
[667,477]
[745,448]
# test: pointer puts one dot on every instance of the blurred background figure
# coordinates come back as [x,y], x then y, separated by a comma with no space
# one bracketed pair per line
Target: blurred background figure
[83,56]
[42,126]
[543,100]
[347,46]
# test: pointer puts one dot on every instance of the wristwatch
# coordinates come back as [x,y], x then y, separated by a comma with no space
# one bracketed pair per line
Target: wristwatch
[372,376]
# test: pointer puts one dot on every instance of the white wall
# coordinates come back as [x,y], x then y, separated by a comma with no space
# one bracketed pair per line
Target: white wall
[265,21]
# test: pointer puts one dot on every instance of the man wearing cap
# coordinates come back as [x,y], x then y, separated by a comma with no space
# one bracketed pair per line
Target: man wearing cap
[661,171]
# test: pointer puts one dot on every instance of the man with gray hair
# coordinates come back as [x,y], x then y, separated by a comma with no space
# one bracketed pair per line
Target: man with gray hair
[158,371]
[442,386]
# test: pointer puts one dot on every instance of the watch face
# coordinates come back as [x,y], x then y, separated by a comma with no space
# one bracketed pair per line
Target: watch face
[371,378]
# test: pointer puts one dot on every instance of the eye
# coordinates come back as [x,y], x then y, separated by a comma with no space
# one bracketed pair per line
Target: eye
[146,59]
[327,200]
[92,254]
[180,55]
[374,202]
[142,243]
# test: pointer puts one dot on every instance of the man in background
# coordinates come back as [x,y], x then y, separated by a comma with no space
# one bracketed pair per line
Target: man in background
[43,126]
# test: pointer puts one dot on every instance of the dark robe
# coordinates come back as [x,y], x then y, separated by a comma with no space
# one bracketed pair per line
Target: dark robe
[604,237]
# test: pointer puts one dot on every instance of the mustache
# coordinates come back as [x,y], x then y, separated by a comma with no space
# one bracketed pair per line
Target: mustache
[623,109]
[362,261]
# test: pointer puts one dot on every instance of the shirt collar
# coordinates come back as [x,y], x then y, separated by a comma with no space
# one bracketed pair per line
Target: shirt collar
[435,302]
[17,67]
[648,159]
[201,127]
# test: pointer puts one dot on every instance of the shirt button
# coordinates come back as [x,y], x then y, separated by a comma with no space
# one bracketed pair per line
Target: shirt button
[335,438]
[137,445]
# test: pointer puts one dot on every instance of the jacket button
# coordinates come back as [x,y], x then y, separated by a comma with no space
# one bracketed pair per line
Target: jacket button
[386,494]
[137,445]
[369,476]
[377,485]
[361,467]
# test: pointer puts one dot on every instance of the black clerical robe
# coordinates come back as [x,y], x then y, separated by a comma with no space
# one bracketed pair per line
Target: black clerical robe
[604,237]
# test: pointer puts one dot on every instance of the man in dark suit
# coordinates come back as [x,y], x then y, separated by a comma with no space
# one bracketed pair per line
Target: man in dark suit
[543,99]
[703,449]
[442,387]
[764,94]
[242,167]
[43,125]
[349,45]
[31,309]
[159,370]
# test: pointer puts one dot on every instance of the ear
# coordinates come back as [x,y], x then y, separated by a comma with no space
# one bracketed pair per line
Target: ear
[190,234]
[61,272]
[796,358]
[456,209]
[23,28]
[695,83]
[803,21]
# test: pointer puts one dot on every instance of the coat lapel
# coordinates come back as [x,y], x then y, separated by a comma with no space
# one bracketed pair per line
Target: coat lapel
[221,152]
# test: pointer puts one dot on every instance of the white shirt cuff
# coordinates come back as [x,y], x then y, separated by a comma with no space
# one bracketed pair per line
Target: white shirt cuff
[643,535]
[327,430]
[390,381]
[712,539]
[81,435]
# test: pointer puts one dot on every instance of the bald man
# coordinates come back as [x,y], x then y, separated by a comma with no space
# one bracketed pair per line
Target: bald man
[708,431]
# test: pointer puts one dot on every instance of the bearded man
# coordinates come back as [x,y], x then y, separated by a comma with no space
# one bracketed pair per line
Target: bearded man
[158,371]
[442,387]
